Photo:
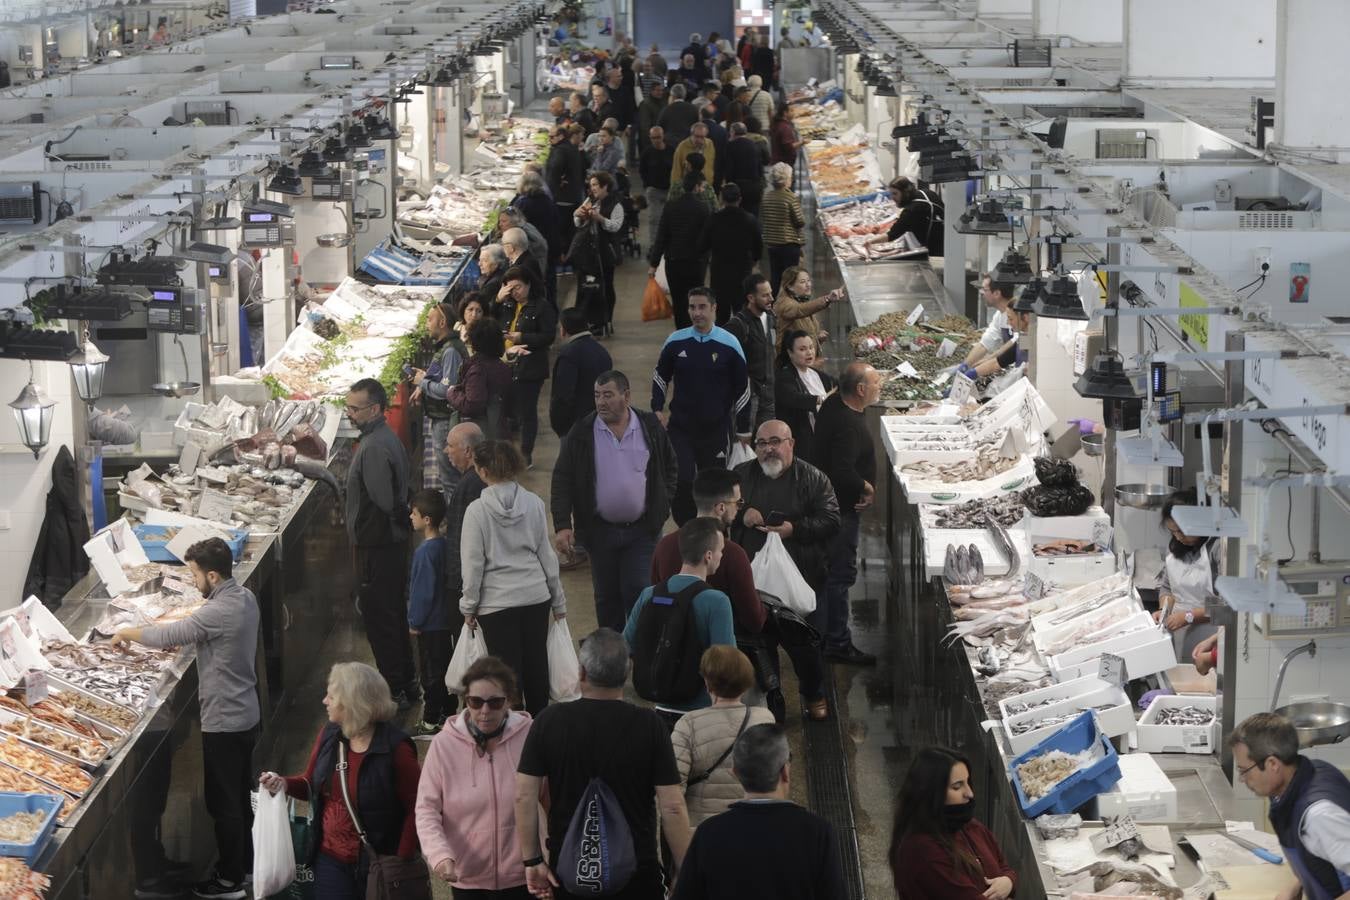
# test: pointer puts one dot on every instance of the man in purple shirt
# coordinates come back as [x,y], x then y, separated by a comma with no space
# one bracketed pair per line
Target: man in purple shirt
[617,518]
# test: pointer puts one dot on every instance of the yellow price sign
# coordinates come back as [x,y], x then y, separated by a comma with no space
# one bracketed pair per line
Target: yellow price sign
[1194,327]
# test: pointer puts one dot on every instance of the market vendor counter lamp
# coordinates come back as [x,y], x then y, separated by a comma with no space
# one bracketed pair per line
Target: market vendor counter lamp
[1014,268]
[1058,299]
[312,165]
[335,151]
[1026,300]
[33,413]
[1105,379]
[87,369]
[986,216]
[286,182]
[356,136]
[380,129]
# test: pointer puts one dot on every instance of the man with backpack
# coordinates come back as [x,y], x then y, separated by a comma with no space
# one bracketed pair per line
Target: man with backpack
[610,767]
[673,622]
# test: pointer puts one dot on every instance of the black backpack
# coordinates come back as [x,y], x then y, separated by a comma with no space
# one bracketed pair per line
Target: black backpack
[666,648]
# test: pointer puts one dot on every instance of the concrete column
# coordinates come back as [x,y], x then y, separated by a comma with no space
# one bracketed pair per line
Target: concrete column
[1311,62]
[1214,43]
[1090,21]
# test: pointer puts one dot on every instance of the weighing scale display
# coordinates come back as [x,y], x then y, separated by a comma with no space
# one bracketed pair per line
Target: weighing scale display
[262,217]
[173,310]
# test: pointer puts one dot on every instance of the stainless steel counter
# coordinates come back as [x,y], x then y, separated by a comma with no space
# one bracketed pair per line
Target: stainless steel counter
[878,287]
[148,794]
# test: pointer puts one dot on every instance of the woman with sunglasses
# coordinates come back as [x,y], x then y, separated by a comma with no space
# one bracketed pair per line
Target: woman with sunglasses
[466,800]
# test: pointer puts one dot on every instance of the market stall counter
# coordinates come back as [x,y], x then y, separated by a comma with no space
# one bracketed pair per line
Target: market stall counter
[145,800]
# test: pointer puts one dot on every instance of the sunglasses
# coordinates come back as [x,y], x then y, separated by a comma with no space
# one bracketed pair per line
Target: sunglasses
[493,703]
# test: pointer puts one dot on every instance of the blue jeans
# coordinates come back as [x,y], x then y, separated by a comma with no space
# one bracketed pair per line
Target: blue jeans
[335,880]
[621,563]
[831,616]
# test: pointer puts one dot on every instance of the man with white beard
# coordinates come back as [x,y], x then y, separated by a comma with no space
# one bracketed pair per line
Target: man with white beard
[789,497]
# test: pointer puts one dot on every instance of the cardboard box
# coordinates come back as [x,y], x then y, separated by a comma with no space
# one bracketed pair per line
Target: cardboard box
[1144,792]
[1154,738]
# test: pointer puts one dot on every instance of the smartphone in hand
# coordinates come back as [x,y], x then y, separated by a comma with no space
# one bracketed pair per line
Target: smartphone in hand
[774,518]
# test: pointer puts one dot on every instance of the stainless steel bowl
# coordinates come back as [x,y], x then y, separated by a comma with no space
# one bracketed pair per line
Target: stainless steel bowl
[1142,496]
[1319,722]
[1094,444]
[176,388]
[336,239]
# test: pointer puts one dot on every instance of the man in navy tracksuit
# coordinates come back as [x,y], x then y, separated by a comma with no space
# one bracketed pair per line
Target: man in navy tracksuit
[713,400]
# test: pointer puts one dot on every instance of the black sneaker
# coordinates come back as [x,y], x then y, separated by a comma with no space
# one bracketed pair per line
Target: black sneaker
[161,888]
[219,889]
[850,655]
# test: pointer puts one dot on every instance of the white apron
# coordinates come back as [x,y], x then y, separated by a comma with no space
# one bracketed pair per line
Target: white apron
[1191,584]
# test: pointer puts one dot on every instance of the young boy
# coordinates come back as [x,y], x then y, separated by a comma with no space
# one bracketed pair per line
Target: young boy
[428,612]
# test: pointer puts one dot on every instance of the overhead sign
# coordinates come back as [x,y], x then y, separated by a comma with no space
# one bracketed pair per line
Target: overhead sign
[1194,327]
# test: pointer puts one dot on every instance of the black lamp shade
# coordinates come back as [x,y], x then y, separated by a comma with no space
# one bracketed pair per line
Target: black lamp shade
[312,164]
[380,129]
[356,136]
[1105,379]
[1026,301]
[986,217]
[1013,268]
[286,182]
[335,151]
[1059,300]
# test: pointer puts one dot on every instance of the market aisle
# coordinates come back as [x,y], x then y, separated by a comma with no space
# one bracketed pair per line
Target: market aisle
[866,698]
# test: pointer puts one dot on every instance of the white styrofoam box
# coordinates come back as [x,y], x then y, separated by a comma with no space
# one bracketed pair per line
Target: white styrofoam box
[918,490]
[1155,738]
[935,541]
[1145,652]
[1068,571]
[1111,615]
[1063,690]
[1089,692]
[1144,792]
[1093,525]
[156,441]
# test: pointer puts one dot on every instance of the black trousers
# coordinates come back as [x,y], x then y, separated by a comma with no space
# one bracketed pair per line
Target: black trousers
[148,803]
[433,658]
[525,410]
[781,258]
[382,582]
[519,638]
[728,286]
[681,275]
[511,893]
[695,449]
[227,764]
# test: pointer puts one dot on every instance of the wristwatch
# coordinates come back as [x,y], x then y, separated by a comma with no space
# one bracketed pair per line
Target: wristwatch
[533,861]
[1190,617]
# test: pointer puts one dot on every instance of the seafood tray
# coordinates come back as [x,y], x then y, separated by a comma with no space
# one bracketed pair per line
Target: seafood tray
[1115,716]
[69,777]
[1052,633]
[15,781]
[1082,785]
[935,543]
[1193,738]
[26,823]
[921,488]
[89,706]
[1007,510]
[1146,651]
[78,749]
[155,542]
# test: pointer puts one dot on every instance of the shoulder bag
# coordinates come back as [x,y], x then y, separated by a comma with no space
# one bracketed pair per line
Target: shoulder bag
[704,776]
[391,877]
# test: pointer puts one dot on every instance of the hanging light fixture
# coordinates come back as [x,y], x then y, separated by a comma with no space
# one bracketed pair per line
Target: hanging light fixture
[33,412]
[1026,300]
[985,216]
[1059,299]
[1105,379]
[87,367]
[379,128]
[1013,268]
[356,135]
[312,165]
[286,181]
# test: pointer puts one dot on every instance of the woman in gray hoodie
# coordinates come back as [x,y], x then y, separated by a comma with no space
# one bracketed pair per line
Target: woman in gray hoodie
[510,571]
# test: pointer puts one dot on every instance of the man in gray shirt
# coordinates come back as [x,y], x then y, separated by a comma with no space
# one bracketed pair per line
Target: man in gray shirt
[378,526]
[225,633]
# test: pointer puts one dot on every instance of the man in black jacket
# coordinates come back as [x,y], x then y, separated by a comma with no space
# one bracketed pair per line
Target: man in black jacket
[565,173]
[780,487]
[581,359]
[459,447]
[657,159]
[743,166]
[378,526]
[617,518]
[678,117]
[843,451]
[733,242]
[757,330]
[677,239]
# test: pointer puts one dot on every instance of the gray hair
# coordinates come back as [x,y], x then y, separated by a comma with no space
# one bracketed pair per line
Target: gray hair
[1266,735]
[604,657]
[516,237]
[759,756]
[363,695]
[695,38]
[495,253]
[780,175]
[469,433]
[530,182]
[677,92]
[755,82]
[738,129]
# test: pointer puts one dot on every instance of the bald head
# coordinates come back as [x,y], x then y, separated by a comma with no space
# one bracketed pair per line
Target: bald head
[514,241]
[773,447]
[460,444]
[859,385]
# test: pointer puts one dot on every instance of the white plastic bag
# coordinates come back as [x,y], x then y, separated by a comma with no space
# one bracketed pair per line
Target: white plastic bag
[775,573]
[273,853]
[660,275]
[739,453]
[564,669]
[470,648]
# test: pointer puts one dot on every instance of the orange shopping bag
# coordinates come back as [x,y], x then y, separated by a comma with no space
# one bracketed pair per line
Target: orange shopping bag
[655,303]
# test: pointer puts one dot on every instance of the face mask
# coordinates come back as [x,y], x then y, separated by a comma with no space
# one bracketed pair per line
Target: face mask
[956,816]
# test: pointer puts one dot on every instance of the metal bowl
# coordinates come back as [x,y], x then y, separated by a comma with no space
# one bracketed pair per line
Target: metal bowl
[1142,496]
[336,239]
[176,388]
[1318,723]
[1094,444]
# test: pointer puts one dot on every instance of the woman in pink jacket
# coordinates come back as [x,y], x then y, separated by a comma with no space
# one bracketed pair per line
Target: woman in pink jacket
[466,799]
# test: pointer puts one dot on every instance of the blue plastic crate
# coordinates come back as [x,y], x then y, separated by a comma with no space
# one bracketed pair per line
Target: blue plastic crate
[1080,787]
[48,804]
[156,545]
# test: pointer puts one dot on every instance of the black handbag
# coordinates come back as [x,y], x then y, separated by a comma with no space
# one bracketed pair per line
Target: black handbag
[391,877]
[584,252]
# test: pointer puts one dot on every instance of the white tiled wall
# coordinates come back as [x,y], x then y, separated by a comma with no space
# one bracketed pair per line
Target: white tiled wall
[24,481]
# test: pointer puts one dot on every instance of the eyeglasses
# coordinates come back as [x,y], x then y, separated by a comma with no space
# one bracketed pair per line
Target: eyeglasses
[350,408]
[1242,773]
[775,442]
[493,703]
